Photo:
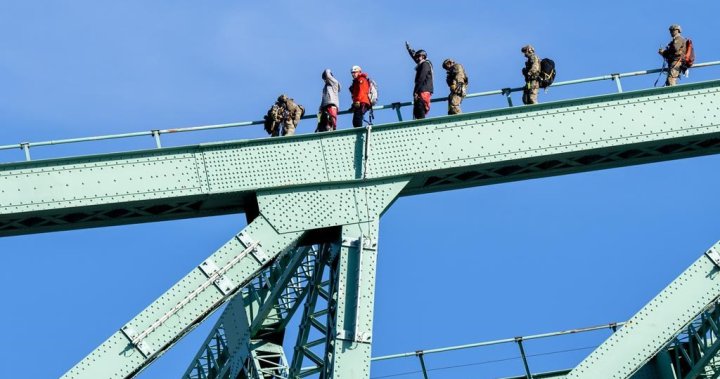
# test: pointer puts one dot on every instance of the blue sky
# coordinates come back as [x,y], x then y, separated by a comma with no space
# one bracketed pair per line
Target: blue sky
[455,267]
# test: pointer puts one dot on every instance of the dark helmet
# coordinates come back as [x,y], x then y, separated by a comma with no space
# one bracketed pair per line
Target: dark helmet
[420,53]
[527,48]
[447,63]
[282,99]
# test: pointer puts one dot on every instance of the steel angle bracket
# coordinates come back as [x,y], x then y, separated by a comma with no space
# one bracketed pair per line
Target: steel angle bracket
[258,253]
[714,256]
[223,283]
[351,336]
[142,346]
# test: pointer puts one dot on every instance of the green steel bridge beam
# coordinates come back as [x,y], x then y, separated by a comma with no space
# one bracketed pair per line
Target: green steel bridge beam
[657,324]
[187,303]
[436,154]
[267,330]
[697,347]
[350,311]
[285,216]
[226,346]
[313,325]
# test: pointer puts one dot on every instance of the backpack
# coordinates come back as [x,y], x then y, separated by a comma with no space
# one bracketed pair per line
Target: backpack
[270,117]
[547,72]
[689,58]
[373,92]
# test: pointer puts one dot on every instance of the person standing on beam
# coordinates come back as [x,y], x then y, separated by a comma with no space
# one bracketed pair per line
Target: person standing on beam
[423,90]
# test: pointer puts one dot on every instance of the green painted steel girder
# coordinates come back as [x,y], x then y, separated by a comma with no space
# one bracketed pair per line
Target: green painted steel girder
[187,303]
[433,154]
[285,216]
[650,330]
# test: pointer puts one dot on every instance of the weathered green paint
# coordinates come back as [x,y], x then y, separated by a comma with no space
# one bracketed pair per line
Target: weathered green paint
[435,154]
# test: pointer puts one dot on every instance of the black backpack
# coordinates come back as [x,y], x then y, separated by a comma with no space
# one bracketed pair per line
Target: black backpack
[547,72]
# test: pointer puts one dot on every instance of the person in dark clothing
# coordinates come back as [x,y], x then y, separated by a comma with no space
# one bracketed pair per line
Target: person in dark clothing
[423,90]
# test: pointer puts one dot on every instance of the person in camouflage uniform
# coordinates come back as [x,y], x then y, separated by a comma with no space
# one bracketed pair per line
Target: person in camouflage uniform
[457,81]
[283,117]
[531,72]
[674,54]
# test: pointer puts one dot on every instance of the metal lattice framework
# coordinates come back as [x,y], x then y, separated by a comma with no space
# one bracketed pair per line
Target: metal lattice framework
[267,302]
[695,349]
[313,228]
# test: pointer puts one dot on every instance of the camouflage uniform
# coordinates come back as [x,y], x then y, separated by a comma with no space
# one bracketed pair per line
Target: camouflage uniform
[674,54]
[531,72]
[283,117]
[457,81]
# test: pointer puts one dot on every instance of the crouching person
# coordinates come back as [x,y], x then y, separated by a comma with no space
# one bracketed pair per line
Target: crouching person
[283,117]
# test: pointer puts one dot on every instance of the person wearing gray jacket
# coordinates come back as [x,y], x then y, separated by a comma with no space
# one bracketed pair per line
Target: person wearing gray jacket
[329,104]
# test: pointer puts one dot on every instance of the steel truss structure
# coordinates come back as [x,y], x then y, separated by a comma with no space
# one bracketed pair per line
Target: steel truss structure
[312,235]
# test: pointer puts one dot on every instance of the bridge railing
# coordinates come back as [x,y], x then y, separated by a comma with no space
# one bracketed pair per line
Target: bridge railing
[522,356]
[396,106]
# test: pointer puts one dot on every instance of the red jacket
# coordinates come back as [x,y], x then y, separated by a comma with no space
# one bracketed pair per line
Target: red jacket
[360,89]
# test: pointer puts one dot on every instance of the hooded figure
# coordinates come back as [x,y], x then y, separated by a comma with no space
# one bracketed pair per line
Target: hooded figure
[330,102]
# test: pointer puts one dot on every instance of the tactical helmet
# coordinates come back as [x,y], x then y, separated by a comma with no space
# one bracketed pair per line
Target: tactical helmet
[675,27]
[420,53]
[527,48]
[447,63]
[282,99]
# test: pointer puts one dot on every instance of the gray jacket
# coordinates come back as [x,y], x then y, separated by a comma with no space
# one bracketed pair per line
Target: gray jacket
[331,90]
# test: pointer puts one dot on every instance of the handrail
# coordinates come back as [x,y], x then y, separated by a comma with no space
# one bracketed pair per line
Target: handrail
[25,146]
[613,326]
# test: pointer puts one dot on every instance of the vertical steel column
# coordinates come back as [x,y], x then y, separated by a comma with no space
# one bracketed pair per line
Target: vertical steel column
[524,358]
[347,351]
[616,79]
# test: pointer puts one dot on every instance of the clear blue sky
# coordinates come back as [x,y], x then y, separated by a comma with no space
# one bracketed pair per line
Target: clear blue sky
[455,267]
